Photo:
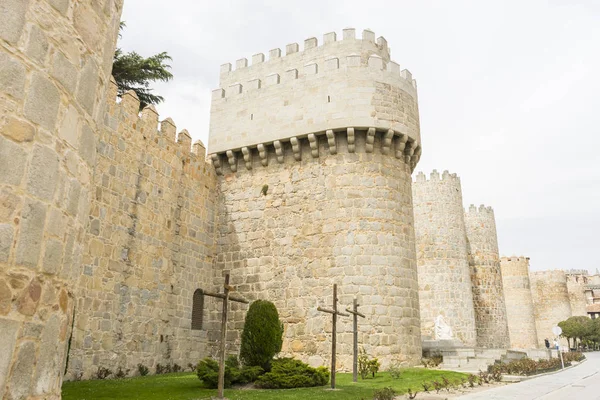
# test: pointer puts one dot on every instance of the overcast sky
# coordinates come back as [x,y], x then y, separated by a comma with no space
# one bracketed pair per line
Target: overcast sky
[509,95]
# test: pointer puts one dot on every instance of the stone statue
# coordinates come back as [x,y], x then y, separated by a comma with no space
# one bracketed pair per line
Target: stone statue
[442,329]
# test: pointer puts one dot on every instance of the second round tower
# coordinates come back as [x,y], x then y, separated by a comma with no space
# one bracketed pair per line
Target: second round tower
[442,261]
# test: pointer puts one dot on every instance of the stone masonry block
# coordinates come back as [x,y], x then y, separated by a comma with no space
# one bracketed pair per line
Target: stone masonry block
[88,81]
[87,145]
[6,240]
[12,162]
[42,103]
[37,47]
[31,233]
[52,256]
[42,174]
[18,130]
[8,333]
[13,19]
[19,384]
[64,72]
[69,126]
[61,5]
[12,75]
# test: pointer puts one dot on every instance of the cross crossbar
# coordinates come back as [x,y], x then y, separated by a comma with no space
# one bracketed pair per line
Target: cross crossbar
[333,312]
[222,296]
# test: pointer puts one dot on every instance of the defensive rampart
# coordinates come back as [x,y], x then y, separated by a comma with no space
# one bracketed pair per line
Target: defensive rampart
[519,302]
[550,301]
[55,63]
[488,295]
[149,246]
[442,262]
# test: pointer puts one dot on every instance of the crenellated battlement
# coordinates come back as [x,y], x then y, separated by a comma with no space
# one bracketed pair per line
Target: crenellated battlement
[389,71]
[514,258]
[577,272]
[331,48]
[435,177]
[482,209]
[144,129]
[342,84]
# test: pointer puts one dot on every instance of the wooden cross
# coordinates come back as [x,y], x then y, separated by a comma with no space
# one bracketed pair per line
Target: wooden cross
[334,313]
[226,298]
[355,315]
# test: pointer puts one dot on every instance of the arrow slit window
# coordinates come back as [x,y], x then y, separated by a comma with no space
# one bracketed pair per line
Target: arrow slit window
[197,309]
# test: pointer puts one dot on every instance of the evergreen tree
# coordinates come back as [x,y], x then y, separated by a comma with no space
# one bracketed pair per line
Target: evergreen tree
[134,72]
[262,335]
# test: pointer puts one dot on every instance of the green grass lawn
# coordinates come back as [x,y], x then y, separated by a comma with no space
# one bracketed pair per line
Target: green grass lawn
[186,386]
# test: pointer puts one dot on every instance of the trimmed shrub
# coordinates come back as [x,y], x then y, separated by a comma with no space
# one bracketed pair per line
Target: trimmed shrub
[287,373]
[262,335]
[208,372]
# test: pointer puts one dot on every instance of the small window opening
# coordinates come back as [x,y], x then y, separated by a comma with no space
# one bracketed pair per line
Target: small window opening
[251,117]
[329,99]
[197,309]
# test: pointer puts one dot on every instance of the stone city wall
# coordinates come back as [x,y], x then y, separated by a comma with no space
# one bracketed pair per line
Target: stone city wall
[576,286]
[55,62]
[291,229]
[149,246]
[520,313]
[442,261]
[488,295]
[550,301]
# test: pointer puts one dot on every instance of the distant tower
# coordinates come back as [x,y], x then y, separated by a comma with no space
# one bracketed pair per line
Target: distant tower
[442,261]
[550,301]
[314,151]
[519,302]
[488,296]
[576,285]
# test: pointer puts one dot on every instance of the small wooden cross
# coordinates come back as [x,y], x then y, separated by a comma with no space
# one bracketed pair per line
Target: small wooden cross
[355,315]
[226,298]
[334,313]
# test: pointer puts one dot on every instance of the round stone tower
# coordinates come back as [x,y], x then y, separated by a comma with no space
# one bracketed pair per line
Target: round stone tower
[550,301]
[314,152]
[486,278]
[442,261]
[519,302]
[55,64]
[576,282]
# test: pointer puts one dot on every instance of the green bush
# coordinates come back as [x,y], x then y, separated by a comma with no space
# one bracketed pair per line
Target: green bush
[287,373]
[386,393]
[262,335]
[367,366]
[207,371]
[527,366]
[573,356]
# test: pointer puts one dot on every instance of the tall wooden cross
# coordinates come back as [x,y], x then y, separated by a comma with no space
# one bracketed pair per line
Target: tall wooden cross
[226,298]
[355,315]
[334,313]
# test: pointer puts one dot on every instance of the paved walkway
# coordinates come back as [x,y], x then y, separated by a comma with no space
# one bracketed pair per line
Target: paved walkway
[581,382]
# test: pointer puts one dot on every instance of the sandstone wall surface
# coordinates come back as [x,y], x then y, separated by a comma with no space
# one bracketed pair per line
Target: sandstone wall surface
[55,63]
[550,301]
[519,302]
[486,277]
[576,286]
[150,245]
[442,261]
[343,216]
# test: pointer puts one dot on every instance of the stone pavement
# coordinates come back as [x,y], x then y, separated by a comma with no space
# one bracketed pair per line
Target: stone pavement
[578,383]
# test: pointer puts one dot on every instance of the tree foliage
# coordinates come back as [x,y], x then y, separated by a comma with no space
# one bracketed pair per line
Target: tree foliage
[581,328]
[134,72]
[262,335]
